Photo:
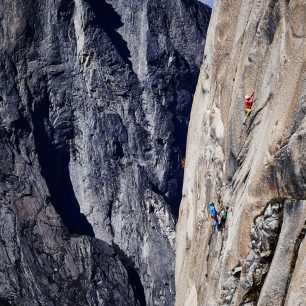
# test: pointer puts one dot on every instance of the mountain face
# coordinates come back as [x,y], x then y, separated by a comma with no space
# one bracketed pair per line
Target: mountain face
[257,170]
[95,99]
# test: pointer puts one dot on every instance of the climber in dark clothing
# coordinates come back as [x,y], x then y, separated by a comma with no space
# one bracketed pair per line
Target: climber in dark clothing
[223,218]
[214,214]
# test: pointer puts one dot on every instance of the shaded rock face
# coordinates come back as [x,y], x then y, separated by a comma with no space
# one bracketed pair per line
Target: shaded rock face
[94,106]
[258,170]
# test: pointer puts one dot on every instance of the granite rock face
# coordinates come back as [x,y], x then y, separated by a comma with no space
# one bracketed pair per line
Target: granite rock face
[94,105]
[257,170]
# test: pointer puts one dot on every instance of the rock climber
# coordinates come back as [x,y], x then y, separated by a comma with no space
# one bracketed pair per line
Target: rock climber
[248,102]
[214,214]
[223,218]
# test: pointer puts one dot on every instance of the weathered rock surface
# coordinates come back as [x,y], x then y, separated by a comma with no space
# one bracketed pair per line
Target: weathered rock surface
[259,171]
[94,105]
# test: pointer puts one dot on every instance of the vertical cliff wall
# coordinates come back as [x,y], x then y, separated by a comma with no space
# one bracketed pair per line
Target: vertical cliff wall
[258,170]
[95,99]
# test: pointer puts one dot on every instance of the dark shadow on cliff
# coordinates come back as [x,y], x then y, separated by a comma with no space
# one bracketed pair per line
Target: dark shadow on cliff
[133,276]
[54,162]
[108,19]
[182,109]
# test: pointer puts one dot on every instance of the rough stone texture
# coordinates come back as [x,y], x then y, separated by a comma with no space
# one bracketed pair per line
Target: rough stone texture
[276,283]
[94,105]
[40,263]
[296,290]
[257,170]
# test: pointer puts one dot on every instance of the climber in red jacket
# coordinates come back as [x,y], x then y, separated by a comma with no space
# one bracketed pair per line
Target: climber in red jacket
[248,103]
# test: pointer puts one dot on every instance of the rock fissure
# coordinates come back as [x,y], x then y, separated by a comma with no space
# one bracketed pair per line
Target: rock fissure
[297,245]
[54,164]
[110,21]
[264,236]
[133,275]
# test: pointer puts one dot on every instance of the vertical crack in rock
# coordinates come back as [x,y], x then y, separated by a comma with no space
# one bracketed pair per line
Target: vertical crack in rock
[133,275]
[272,19]
[267,240]
[297,245]
[277,280]
[264,236]
[54,161]
[110,21]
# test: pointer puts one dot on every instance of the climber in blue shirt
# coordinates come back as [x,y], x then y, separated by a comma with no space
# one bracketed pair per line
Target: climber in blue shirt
[214,214]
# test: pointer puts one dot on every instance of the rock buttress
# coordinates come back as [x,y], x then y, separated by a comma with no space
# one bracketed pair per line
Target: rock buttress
[94,105]
[257,170]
